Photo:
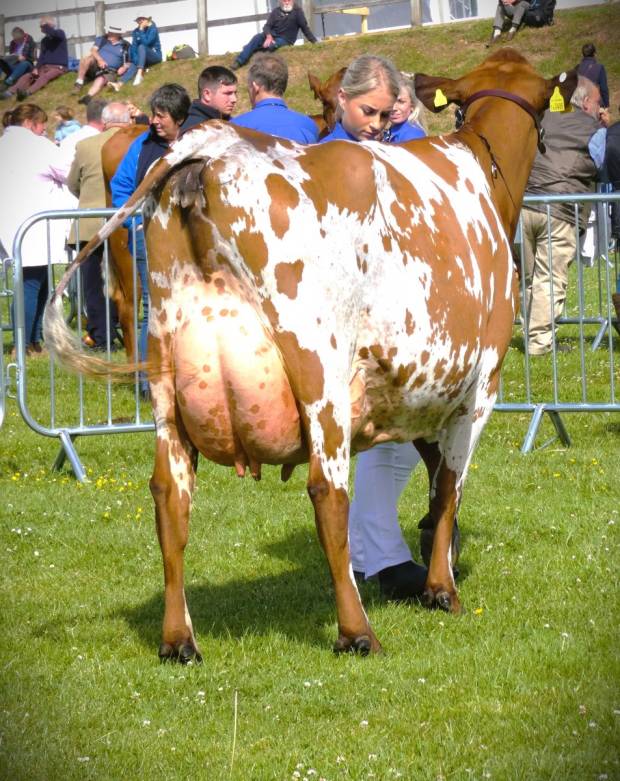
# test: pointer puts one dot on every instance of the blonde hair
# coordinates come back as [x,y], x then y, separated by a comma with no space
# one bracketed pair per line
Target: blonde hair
[366,73]
[417,107]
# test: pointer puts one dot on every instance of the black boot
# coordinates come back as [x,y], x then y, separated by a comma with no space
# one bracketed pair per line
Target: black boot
[402,581]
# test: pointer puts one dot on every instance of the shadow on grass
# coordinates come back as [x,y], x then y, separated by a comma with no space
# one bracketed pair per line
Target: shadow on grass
[297,603]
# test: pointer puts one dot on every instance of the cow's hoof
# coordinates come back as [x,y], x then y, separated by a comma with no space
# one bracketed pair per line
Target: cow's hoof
[362,645]
[442,600]
[184,654]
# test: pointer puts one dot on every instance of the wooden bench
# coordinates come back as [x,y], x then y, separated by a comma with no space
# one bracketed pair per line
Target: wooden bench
[361,11]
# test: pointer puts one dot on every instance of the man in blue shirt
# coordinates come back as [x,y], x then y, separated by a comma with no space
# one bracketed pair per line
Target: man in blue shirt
[107,55]
[267,81]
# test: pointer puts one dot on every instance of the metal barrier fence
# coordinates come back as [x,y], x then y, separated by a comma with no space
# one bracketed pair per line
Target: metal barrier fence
[548,384]
[76,406]
[551,384]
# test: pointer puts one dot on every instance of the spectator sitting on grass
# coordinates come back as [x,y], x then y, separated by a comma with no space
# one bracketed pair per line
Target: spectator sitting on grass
[145,50]
[52,62]
[66,124]
[281,29]
[20,59]
[107,57]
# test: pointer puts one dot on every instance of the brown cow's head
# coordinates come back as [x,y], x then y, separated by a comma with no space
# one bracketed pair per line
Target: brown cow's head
[327,93]
[501,69]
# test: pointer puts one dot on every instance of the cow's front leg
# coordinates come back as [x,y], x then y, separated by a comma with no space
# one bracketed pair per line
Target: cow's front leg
[172,486]
[432,459]
[331,511]
[440,588]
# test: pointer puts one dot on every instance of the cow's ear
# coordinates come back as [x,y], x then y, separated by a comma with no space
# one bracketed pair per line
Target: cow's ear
[563,84]
[315,85]
[436,92]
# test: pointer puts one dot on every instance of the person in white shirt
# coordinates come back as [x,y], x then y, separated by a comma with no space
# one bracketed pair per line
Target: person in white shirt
[33,174]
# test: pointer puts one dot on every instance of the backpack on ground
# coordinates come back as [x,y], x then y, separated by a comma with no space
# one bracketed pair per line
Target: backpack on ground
[540,13]
[182,51]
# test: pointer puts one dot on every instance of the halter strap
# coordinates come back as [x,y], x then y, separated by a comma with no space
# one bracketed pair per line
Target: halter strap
[500,93]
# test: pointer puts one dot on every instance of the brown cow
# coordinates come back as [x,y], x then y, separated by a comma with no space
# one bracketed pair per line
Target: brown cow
[121,263]
[327,93]
[307,302]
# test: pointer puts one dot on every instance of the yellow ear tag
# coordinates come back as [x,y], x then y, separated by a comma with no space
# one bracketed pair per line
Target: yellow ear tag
[440,99]
[556,103]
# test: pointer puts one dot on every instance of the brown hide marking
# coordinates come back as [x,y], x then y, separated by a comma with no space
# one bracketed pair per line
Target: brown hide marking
[387,242]
[303,367]
[364,353]
[283,196]
[332,341]
[288,277]
[356,192]
[332,433]
[409,323]
[404,374]
[253,249]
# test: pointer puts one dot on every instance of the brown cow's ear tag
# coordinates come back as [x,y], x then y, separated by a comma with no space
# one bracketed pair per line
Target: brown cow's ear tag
[556,104]
[440,99]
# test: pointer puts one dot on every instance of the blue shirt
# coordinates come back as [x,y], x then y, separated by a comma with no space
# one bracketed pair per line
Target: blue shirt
[272,116]
[339,134]
[113,54]
[404,131]
[596,146]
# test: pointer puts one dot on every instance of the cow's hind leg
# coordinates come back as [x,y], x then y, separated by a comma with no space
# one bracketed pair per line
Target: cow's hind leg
[172,486]
[331,508]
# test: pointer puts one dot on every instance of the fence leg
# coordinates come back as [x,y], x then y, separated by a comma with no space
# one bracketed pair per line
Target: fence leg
[560,428]
[601,333]
[558,423]
[68,450]
[528,442]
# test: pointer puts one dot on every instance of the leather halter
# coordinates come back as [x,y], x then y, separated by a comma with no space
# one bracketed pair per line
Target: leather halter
[500,93]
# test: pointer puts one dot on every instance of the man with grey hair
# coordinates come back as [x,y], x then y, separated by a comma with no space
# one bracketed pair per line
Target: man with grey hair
[575,151]
[85,181]
[267,82]
[94,125]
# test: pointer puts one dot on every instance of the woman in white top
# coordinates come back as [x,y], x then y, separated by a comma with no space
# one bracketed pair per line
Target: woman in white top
[33,173]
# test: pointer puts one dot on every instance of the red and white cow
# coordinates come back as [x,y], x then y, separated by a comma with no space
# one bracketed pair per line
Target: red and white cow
[307,302]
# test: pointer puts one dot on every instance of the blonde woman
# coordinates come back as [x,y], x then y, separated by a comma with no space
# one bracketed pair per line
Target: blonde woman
[366,99]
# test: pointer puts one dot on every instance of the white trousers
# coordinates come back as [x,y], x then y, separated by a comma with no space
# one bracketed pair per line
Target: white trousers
[375,537]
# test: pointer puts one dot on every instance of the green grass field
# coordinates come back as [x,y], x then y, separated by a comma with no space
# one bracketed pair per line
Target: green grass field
[524,685]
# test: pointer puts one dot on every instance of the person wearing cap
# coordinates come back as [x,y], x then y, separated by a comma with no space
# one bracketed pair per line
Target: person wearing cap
[145,50]
[107,56]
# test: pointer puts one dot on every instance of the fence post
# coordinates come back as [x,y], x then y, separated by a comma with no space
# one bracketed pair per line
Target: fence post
[308,9]
[416,12]
[203,30]
[2,41]
[99,17]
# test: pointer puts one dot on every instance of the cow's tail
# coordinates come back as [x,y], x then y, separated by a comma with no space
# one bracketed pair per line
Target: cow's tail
[60,340]
[62,343]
